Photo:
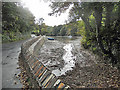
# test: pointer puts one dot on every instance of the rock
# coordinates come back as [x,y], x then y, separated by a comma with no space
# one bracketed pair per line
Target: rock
[73,85]
[7,56]
[77,83]
[18,68]
[15,82]
[81,87]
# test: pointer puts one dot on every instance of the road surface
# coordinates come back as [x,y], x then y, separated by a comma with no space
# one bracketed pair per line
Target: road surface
[10,53]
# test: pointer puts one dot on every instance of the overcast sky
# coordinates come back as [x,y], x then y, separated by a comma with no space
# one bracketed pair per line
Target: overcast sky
[41,9]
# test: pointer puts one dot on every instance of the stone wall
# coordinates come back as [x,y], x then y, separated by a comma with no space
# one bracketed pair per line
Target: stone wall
[40,76]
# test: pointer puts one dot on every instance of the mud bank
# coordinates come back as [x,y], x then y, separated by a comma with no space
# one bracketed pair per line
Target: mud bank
[58,55]
[33,70]
[86,70]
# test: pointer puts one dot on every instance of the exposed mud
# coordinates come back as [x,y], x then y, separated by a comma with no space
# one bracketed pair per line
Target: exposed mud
[93,73]
[58,55]
[76,66]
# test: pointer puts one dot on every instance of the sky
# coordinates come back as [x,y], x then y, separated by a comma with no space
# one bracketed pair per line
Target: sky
[40,9]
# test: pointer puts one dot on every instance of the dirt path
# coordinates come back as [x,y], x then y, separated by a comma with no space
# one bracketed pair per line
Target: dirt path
[76,66]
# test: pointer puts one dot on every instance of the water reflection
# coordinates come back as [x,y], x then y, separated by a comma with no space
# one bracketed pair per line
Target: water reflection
[64,39]
[68,59]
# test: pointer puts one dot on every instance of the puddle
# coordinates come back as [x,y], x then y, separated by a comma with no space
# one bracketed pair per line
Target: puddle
[68,58]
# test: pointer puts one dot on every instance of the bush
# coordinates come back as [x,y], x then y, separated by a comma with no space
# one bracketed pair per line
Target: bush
[14,36]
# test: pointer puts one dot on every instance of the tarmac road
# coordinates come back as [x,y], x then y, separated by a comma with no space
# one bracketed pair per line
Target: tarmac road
[10,53]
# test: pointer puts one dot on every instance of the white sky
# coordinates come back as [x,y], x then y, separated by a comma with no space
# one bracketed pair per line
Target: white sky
[40,9]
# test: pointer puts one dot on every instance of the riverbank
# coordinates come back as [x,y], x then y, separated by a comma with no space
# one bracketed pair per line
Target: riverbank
[75,66]
[89,71]
[92,72]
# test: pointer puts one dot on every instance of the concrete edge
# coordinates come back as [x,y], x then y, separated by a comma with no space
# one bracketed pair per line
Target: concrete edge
[40,75]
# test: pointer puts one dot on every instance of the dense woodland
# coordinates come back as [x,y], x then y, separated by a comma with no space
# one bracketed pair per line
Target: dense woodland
[102,25]
[17,22]
[97,23]
[72,29]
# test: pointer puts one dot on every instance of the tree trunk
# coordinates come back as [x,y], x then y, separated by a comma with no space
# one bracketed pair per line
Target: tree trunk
[98,18]
[87,23]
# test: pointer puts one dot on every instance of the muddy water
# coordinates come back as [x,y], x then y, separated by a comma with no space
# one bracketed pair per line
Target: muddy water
[68,58]
[59,54]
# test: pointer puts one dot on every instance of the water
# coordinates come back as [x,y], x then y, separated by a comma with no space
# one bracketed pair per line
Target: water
[68,59]
[59,55]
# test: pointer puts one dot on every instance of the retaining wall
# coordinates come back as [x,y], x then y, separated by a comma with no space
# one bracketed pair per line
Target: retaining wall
[40,76]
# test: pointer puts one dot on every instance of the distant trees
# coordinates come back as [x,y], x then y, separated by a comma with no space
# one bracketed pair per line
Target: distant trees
[40,22]
[18,23]
[61,30]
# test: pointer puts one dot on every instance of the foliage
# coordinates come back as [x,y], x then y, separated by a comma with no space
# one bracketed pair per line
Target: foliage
[61,30]
[16,22]
[102,25]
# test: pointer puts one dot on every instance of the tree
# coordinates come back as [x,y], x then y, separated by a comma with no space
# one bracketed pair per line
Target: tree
[40,22]
[56,30]
[104,33]
[16,21]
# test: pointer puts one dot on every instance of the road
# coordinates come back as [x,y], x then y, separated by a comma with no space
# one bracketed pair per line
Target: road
[10,53]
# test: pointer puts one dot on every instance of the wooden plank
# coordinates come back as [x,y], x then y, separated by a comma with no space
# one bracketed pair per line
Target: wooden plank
[57,83]
[37,67]
[35,64]
[61,85]
[39,70]
[39,79]
[45,76]
[52,82]
[49,82]
[47,79]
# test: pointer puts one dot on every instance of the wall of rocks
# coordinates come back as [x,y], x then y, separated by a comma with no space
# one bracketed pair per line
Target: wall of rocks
[40,76]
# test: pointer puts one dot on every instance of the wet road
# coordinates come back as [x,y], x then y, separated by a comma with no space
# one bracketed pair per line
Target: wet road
[10,53]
